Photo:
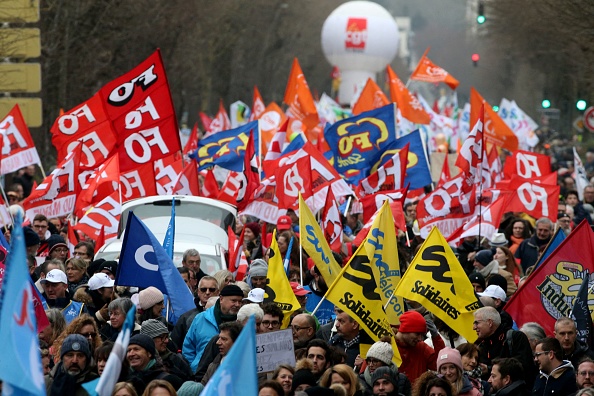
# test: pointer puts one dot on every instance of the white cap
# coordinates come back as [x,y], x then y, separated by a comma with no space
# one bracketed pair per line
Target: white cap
[255,295]
[100,280]
[55,276]
[494,291]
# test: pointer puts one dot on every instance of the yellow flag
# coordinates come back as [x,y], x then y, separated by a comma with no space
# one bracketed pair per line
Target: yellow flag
[436,280]
[278,290]
[356,293]
[313,241]
[382,249]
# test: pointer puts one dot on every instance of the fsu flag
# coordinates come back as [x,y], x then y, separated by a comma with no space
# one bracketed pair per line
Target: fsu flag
[550,292]
[496,131]
[298,97]
[429,72]
[527,164]
[56,195]
[408,104]
[140,108]
[18,149]
[372,97]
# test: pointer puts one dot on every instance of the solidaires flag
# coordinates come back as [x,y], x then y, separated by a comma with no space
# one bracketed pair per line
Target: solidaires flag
[381,249]
[315,245]
[436,280]
[278,290]
[355,292]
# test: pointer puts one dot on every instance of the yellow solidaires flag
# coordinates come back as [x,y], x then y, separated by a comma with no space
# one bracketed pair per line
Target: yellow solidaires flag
[315,245]
[381,246]
[436,280]
[278,290]
[355,292]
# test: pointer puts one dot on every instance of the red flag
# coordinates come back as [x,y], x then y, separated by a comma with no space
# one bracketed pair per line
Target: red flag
[166,171]
[527,164]
[192,143]
[18,149]
[210,186]
[549,292]
[221,121]
[331,223]
[492,169]
[409,105]
[72,238]
[100,183]
[372,97]
[429,72]
[237,261]
[138,182]
[56,195]
[537,200]
[206,121]
[445,172]
[471,155]
[258,106]
[299,99]
[389,176]
[100,241]
[104,216]
[371,206]
[293,178]
[187,181]
[485,222]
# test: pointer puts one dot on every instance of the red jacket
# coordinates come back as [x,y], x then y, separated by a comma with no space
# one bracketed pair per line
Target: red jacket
[420,358]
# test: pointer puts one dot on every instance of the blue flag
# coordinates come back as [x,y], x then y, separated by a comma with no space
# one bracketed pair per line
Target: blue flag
[227,148]
[237,374]
[170,234]
[355,141]
[553,244]
[581,312]
[20,360]
[417,172]
[144,263]
[103,386]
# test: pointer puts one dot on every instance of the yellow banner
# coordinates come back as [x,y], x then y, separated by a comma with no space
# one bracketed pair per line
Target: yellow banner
[356,293]
[436,280]
[313,241]
[381,245]
[278,289]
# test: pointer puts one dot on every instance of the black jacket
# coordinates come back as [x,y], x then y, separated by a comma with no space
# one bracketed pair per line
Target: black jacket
[580,351]
[517,388]
[560,382]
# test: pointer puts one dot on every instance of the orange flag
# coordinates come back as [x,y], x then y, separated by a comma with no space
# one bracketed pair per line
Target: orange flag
[496,130]
[258,106]
[409,105]
[372,97]
[299,99]
[271,120]
[429,72]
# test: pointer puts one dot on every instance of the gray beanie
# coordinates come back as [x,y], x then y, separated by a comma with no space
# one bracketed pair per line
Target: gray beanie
[381,351]
[77,343]
[258,267]
[385,373]
[190,388]
[153,328]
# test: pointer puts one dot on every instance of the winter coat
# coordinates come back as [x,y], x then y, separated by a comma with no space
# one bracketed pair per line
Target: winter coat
[59,383]
[403,387]
[517,388]
[203,328]
[420,358]
[559,382]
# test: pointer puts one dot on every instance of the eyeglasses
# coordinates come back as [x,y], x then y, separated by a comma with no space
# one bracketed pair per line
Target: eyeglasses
[537,354]
[297,328]
[79,253]
[586,373]
[89,335]
[476,322]
[273,323]
[60,250]
[373,361]
[210,289]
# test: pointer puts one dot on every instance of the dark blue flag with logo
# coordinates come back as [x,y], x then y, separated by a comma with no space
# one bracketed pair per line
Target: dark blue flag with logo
[357,141]
[227,148]
[418,174]
[581,312]
[553,244]
[144,262]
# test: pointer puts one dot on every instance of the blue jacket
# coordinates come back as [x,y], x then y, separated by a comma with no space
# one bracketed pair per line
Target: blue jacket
[203,328]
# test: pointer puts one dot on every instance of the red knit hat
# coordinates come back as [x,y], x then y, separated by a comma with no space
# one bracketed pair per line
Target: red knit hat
[412,322]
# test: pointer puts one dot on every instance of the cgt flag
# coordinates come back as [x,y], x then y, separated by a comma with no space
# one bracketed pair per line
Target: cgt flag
[356,292]
[436,280]
[144,262]
[550,291]
[278,290]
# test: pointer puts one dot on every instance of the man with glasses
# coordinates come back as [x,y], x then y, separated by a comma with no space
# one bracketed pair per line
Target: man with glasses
[40,226]
[556,375]
[304,330]
[584,376]
[494,342]
[207,287]
[273,317]
[84,250]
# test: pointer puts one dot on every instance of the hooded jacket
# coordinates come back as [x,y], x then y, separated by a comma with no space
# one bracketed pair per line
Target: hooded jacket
[559,382]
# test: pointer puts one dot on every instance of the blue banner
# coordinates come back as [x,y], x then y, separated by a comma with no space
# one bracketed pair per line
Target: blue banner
[144,262]
[356,141]
[169,239]
[227,148]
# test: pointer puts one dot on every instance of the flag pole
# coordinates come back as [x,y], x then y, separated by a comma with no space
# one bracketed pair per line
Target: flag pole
[42,170]
[481,180]
[389,299]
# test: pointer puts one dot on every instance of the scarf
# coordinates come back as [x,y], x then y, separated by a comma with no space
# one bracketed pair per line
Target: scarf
[220,317]
[515,243]
[491,268]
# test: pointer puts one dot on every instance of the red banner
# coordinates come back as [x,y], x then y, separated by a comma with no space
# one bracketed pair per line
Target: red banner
[537,200]
[527,165]
[18,149]
[137,183]
[105,215]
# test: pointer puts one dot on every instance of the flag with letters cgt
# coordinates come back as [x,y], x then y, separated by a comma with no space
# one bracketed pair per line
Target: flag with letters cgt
[144,262]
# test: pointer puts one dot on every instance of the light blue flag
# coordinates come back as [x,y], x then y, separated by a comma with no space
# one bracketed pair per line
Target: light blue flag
[553,244]
[237,373]
[170,234]
[144,263]
[103,386]
[20,360]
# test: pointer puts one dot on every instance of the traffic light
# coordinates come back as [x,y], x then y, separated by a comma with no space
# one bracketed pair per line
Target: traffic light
[475,58]
[495,108]
[546,104]
[581,105]
[480,17]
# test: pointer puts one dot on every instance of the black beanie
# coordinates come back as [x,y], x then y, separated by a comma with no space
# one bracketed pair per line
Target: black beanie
[144,341]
